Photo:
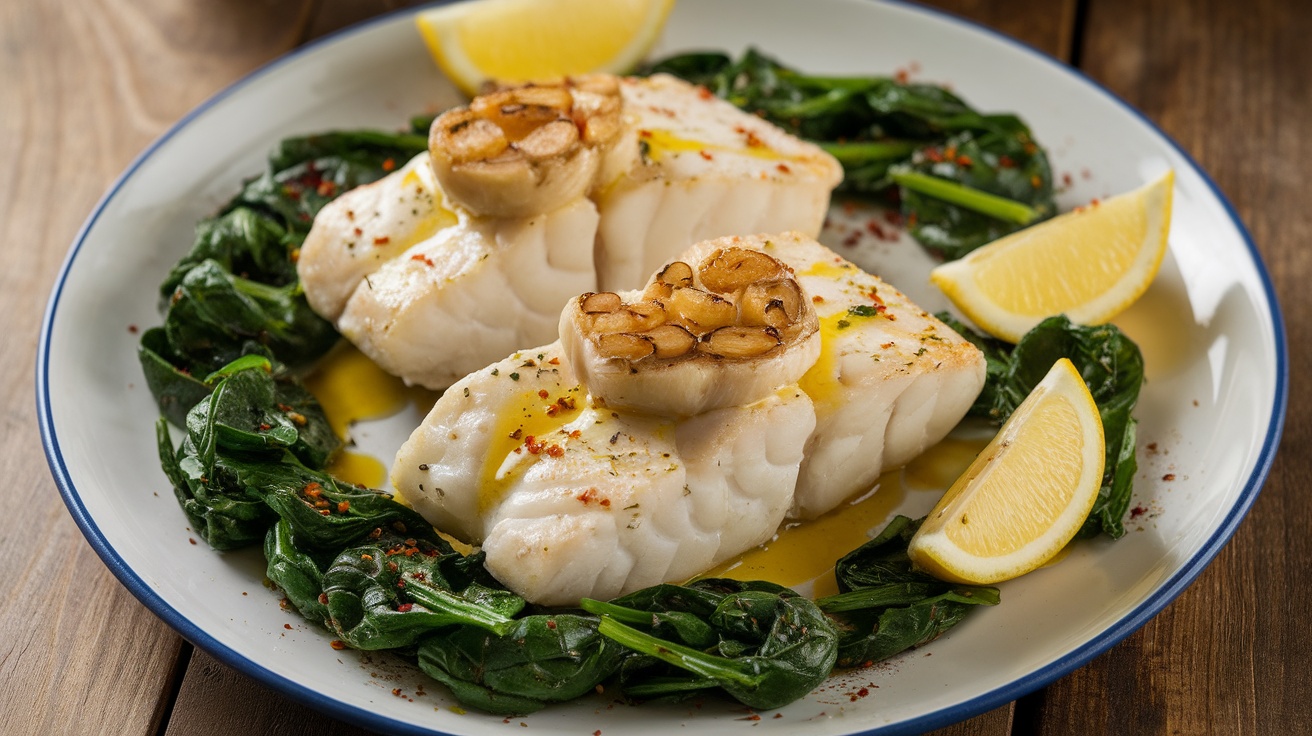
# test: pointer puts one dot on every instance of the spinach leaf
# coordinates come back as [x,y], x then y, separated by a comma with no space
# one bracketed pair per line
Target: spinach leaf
[541,659]
[308,172]
[762,643]
[215,317]
[296,573]
[242,241]
[962,177]
[1111,366]
[390,591]
[887,606]
[236,292]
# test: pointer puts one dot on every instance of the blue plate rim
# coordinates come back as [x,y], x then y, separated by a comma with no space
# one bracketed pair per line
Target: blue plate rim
[981,703]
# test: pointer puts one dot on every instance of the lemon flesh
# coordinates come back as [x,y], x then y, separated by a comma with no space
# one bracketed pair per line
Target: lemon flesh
[1025,495]
[1089,264]
[537,40]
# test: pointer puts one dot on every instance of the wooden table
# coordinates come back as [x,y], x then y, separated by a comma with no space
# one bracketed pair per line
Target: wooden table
[89,83]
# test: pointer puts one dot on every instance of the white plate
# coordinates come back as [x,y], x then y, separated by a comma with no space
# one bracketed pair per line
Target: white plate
[1210,328]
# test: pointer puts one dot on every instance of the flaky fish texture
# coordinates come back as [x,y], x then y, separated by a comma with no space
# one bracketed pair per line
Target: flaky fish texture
[688,167]
[891,379]
[571,495]
[572,500]
[531,194]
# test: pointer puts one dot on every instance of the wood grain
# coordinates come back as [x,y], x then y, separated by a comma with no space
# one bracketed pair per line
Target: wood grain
[87,86]
[1228,81]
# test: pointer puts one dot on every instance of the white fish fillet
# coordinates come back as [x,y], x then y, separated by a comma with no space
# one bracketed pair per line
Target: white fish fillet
[622,502]
[886,387]
[478,288]
[683,167]
[355,234]
[689,167]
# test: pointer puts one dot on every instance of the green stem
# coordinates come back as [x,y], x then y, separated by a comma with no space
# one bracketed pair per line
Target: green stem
[864,152]
[619,613]
[698,663]
[971,198]
[893,594]
[440,601]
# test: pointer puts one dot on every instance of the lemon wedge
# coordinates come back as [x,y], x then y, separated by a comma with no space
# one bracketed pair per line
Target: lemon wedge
[1089,264]
[1025,495]
[538,40]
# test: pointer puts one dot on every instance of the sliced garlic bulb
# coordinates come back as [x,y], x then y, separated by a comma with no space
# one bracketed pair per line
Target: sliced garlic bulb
[524,150]
[724,332]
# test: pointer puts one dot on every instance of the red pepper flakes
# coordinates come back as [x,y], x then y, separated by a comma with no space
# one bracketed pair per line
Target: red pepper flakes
[265,427]
[323,599]
[389,164]
[551,624]
[597,732]
[190,539]
[644,134]
[706,155]
[605,502]
[326,188]
[575,434]
[392,566]
[783,168]
[358,232]
[1169,476]
[313,489]
[778,715]
[384,240]
[964,161]
[554,361]
[818,299]
[532,445]
[423,259]
[553,410]
[1066,180]
[934,155]
[405,607]
[325,512]
[287,626]
[337,644]
[367,557]
[376,533]
[350,214]
[587,496]
[555,451]
[542,393]
[852,239]
[704,93]
[132,329]
[902,76]
[343,507]
[396,691]
[753,141]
